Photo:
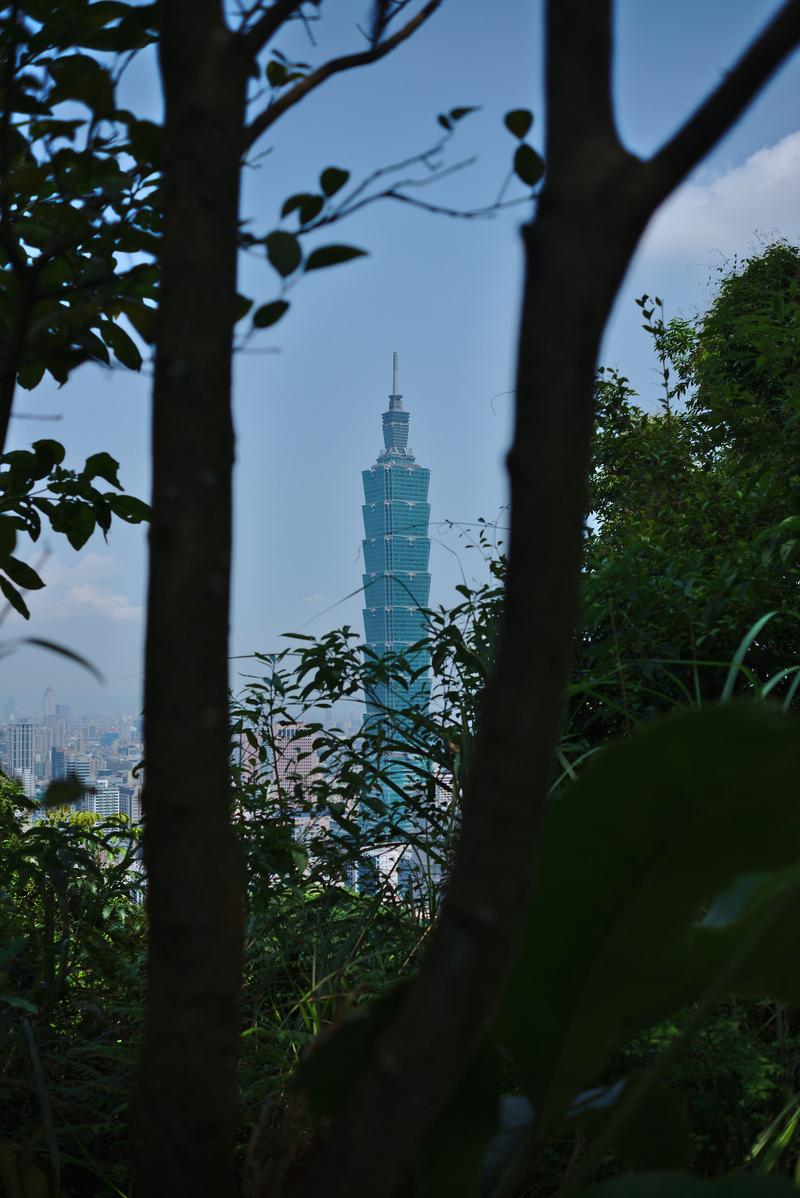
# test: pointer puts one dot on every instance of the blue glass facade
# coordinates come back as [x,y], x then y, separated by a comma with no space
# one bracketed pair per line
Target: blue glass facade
[396,550]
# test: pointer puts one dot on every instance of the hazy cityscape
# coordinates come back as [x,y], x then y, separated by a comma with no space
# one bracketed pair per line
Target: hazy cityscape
[103,752]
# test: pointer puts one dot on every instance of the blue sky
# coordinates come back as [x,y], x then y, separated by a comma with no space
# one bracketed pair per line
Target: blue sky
[441,292]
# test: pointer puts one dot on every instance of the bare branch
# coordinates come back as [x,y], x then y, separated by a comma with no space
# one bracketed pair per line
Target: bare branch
[334,67]
[725,105]
[256,37]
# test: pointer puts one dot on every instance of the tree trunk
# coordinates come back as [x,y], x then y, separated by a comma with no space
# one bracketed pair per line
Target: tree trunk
[185,1102]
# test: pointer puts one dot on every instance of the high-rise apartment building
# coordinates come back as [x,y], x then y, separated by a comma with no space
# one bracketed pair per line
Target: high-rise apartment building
[58,764]
[22,754]
[21,737]
[48,702]
[396,550]
[295,769]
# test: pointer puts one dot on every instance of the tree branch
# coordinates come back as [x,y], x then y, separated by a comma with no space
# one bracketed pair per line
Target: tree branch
[725,105]
[334,67]
[256,37]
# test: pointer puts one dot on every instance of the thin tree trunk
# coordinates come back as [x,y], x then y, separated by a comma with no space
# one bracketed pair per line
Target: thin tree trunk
[185,1102]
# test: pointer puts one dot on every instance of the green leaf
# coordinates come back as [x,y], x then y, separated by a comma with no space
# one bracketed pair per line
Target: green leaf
[30,375]
[269,314]
[276,73]
[129,508]
[755,925]
[51,452]
[296,201]
[284,252]
[79,77]
[652,830]
[20,1004]
[79,524]
[242,307]
[518,122]
[102,465]
[8,535]
[125,349]
[333,179]
[528,165]
[332,255]
[14,598]
[142,317]
[22,574]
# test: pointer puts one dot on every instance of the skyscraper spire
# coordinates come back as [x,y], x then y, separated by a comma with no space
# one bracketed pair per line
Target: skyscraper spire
[395,399]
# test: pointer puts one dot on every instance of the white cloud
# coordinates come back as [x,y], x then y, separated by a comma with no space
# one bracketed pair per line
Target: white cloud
[87,599]
[733,211]
[80,590]
[90,567]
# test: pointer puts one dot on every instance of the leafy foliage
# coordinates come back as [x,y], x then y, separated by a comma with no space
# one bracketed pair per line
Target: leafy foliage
[34,486]
[79,190]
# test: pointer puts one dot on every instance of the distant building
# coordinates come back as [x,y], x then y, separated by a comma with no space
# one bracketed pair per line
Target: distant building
[396,580]
[48,702]
[21,742]
[396,550]
[58,764]
[295,766]
[105,801]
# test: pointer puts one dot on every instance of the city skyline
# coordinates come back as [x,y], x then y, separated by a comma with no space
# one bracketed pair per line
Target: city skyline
[102,752]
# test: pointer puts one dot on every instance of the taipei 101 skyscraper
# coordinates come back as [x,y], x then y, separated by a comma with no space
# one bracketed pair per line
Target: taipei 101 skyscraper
[396,551]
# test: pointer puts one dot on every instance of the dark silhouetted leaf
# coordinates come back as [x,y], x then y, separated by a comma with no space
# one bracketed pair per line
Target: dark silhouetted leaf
[51,452]
[518,122]
[284,252]
[651,831]
[22,574]
[14,598]
[102,465]
[125,349]
[63,651]
[276,73]
[528,165]
[332,255]
[63,792]
[129,508]
[30,375]
[269,314]
[333,179]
